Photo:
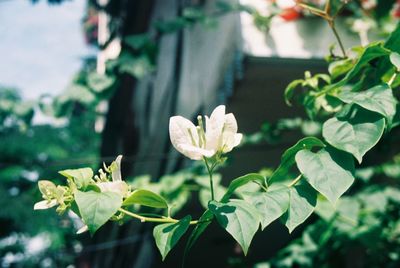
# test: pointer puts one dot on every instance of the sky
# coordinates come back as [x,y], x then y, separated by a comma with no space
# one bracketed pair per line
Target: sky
[41,45]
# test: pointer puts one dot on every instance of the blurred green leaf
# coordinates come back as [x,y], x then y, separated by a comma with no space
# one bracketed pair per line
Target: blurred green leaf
[81,176]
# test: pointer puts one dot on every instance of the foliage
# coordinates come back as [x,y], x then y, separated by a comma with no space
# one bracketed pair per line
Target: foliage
[31,151]
[355,102]
[371,214]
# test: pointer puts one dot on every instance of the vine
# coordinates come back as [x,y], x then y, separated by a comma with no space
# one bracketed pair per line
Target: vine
[355,100]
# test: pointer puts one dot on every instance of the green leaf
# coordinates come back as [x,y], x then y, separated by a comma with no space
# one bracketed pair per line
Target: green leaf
[193,13]
[238,218]
[271,205]
[137,67]
[78,93]
[372,52]
[329,172]
[302,201]
[201,226]
[81,176]
[238,182]
[167,235]
[356,133]
[393,41]
[146,198]
[98,82]
[97,208]
[340,67]
[395,59]
[288,160]
[289,91]
[137,41]
[378,99]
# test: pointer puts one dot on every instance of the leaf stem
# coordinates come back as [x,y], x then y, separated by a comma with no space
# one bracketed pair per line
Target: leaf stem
[330,19]
[296,180]
[332,26]
[210,173]
[392,78]
[151,219]
[261,186]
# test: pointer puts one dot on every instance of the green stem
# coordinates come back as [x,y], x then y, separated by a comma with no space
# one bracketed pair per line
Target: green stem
[332,26]
[261,186]
[393,78]
[347,220]
[296,180]
[151,219]
[313,10]
[210,173]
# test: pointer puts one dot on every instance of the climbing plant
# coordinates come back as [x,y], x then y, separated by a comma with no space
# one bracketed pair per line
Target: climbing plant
[357,105]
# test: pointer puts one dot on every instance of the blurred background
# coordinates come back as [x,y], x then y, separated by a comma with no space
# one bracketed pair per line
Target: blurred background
[82,81]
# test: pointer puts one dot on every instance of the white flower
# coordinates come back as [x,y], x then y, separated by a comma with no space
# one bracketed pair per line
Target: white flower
[220,135]
[116,185]
[119,187]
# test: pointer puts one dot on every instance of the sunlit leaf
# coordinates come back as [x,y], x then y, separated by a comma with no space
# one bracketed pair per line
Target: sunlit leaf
[378,99]
[97,208]
[81,176]
[271,205]
[329,172]
[146,198]
[356,133]
[238,182]
[288,159]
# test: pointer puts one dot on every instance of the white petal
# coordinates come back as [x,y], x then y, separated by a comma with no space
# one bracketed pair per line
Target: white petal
[230,140]
[119,187]
[238,139]
[44,204]
[83,229]
[179,128]
[195,153]
[230,123]
[116,173]
[214,126]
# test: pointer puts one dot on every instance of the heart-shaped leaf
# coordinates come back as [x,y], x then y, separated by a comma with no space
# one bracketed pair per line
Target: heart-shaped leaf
[238,218]
[329,172]
[271,205]
[356,133]
[302,201]
[201,226]
[288,160]
[378,99]
[97,208]
[167,235]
